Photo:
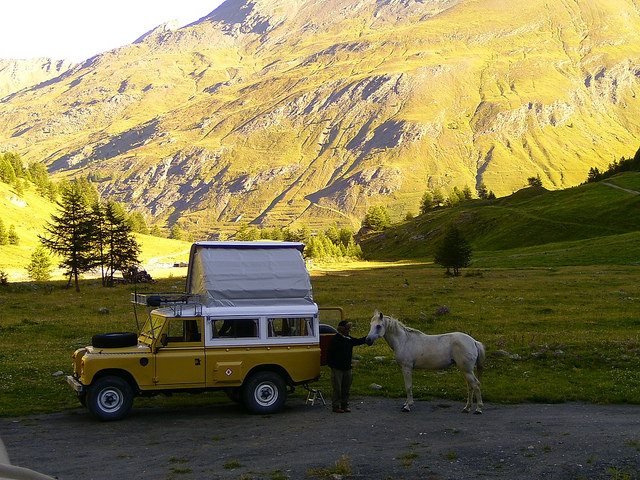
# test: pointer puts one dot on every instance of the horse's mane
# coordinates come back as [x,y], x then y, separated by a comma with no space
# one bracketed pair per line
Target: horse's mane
[394,325]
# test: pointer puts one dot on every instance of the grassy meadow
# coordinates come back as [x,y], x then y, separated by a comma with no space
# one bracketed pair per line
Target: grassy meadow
[552,292]
[552,334]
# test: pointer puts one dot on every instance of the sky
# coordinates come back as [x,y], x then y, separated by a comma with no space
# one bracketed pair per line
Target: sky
[79,29]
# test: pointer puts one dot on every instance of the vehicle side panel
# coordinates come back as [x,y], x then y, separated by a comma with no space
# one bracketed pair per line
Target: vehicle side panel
[228,366]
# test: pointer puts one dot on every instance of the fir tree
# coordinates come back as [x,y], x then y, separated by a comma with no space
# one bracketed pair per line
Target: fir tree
[454,252]
[117,247]
[70,234]
[4,238]
[12,236]
[426,203]
[138,223]
[39,269]
[377,218]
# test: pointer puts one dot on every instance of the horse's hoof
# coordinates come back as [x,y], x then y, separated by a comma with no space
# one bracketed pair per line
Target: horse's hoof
[405,409]
[478,412]
[465,410]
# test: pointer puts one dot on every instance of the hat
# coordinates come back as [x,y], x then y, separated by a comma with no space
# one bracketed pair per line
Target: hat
[344,323]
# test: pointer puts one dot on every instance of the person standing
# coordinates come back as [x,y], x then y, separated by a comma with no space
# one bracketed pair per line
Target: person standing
[339,357]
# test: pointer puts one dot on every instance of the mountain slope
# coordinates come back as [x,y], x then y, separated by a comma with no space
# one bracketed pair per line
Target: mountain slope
[281,111]
[18,74]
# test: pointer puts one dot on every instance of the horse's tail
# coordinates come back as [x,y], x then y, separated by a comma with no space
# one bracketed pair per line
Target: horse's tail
[480,358]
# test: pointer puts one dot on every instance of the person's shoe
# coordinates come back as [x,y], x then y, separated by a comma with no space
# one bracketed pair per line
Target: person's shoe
[338,410]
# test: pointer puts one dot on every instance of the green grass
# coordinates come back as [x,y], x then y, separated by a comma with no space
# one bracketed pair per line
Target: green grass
[574,329]
[571,333]
[341,469]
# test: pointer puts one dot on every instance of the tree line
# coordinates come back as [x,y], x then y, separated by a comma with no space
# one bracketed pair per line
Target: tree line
[14,172]
[333,243]
[623,165]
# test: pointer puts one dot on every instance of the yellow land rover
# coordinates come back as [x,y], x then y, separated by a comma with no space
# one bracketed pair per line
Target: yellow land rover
[247,324]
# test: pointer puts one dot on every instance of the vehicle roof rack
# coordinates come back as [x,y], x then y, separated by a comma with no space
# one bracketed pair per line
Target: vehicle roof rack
[175,301]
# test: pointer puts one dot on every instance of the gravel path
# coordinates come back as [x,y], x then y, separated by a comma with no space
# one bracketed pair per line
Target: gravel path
[435,441]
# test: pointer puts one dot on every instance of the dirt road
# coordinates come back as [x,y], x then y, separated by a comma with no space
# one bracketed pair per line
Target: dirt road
[435,441]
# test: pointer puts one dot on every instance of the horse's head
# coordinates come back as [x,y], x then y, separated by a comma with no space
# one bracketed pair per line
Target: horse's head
[377,329]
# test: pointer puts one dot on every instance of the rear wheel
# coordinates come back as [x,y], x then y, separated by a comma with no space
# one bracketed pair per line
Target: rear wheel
[264,392]
[110,398]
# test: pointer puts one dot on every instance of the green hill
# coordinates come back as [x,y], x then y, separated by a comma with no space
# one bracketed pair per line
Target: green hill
[595,223]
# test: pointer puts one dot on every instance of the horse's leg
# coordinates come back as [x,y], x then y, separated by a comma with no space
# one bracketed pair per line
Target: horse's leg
[478,393]
[408,386]
[473,389]
[467,407]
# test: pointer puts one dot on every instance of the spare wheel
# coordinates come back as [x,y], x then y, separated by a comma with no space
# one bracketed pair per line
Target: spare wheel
[114,340]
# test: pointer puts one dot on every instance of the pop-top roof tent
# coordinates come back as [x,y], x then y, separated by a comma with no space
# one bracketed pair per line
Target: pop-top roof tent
[228,274]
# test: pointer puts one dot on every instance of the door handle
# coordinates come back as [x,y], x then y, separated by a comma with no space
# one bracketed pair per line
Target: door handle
[197,361]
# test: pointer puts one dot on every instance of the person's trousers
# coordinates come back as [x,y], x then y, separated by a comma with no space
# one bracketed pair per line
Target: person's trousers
[340,384]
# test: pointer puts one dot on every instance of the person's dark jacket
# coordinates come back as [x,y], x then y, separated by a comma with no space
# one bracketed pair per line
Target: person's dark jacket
[341,350]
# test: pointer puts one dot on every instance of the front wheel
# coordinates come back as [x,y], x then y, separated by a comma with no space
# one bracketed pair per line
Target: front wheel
[110,398]
[264,393]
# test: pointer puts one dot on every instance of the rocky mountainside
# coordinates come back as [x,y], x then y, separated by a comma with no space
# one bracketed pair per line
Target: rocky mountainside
[288,111]
[18,74]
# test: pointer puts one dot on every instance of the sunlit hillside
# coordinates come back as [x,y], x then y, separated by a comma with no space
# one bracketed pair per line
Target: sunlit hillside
[283,112]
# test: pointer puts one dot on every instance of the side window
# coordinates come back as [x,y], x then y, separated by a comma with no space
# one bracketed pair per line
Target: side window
[235,328]
[289,327]
[183,330]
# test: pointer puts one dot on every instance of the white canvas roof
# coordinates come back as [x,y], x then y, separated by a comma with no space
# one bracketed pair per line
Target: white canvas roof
[249,273]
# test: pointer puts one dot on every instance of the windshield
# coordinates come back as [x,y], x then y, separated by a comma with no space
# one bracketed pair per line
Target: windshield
[151,329]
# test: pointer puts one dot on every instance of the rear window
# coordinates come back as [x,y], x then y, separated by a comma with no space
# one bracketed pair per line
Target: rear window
[290,327]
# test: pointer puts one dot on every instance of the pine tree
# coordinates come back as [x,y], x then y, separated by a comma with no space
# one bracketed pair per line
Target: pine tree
[71,234]
[99,239]
[377,218]
[426,203]
[7,173]
[4,238]
[454,252]
[138,223]
[12,236]
[438,198]
[39,269]
[118,246]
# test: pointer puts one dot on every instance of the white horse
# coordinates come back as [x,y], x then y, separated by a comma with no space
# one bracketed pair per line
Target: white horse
[414,349]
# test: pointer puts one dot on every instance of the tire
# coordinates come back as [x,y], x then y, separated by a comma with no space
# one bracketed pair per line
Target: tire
[264,393]
[110,398]
[114,340]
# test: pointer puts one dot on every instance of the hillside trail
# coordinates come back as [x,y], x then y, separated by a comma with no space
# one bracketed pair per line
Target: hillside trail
[632,192]
[376,441]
